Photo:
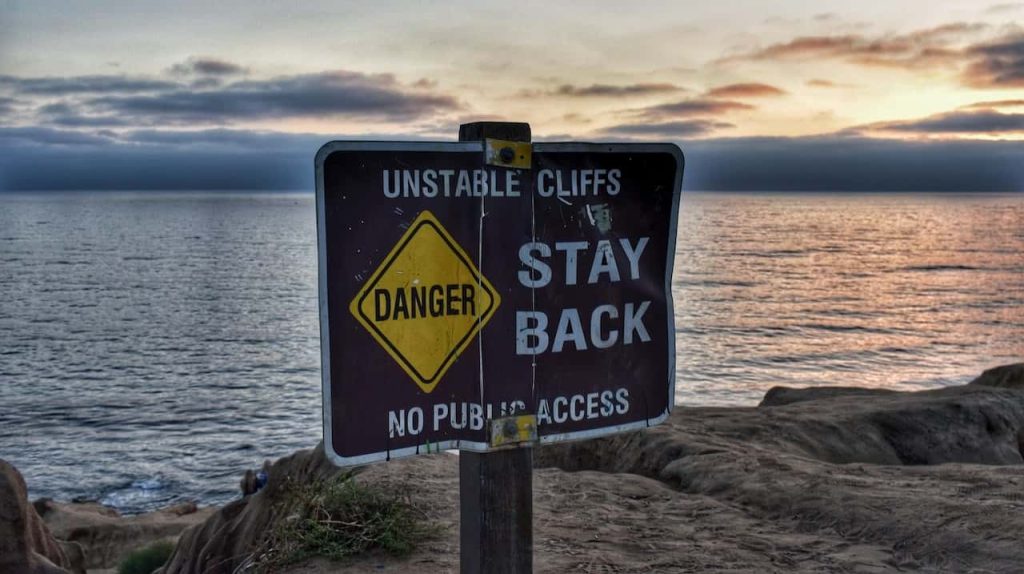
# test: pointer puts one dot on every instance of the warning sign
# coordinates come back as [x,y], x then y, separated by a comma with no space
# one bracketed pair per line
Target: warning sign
[425,302]
[476,295]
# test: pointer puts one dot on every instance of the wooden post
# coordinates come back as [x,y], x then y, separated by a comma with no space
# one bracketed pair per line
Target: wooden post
[496,488]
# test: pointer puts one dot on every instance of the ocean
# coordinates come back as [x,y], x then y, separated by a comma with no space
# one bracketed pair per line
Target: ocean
[155,345]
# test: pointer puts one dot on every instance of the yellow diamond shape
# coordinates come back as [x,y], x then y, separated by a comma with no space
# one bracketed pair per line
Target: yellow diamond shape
[425,302]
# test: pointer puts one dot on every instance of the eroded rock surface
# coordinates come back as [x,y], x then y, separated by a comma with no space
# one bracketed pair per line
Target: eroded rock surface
[935,479]
[104,537]
[778,396]
[26,546]
[226,541]
[1006,376]
[820,482]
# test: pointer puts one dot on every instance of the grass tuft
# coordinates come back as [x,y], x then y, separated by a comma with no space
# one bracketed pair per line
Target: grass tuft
[338,519]
[146,559]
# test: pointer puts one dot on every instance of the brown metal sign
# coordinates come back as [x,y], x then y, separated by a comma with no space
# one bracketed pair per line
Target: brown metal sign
[455,291]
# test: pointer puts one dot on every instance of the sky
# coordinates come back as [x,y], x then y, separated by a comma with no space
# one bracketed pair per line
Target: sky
[796,95]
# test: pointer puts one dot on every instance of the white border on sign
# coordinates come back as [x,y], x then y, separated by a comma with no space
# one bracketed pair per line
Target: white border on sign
[478,146]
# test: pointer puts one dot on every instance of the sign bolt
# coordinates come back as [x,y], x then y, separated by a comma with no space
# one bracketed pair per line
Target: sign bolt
[507,154]
[509,429]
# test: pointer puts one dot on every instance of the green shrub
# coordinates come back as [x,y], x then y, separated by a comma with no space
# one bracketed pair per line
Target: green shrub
[341,518]
[146,559]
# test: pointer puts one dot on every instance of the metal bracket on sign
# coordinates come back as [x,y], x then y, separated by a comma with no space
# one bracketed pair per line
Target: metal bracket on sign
[511,431]
[504,153]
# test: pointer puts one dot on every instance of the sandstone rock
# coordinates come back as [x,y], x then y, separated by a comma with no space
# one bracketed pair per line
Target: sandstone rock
[968,424]
[778,396]
[936,475]
[227,539]
[826,482]
[1006,376]
[105,537]
[76,556]
[26,546]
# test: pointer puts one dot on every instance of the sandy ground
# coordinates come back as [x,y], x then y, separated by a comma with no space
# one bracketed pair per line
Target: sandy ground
[898,482]
[595,522]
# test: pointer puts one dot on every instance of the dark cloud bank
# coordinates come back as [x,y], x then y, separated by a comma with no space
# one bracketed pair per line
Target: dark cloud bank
[835,163]
[205,98]
[961,122]
[205,66]
[87,132]
[328,93]
[52,159]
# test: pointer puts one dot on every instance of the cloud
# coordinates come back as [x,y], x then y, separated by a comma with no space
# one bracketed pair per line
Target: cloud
[947,32]
[992,104]
[44,136]
[54,86]
[64,114]
[992,63]
[835,163]
[160,159]
[745,90]
[339,93]
[959,122]
[577,118]
[997,64]
[205,66]
[118,100]
[225,139]
[693,108]
[924,58]
[819,83]
[1005,8]
[677,129]
[805,47]
[930,47]
[205,83]
[242,159]
[606,90]
[76,121]
[7,105]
